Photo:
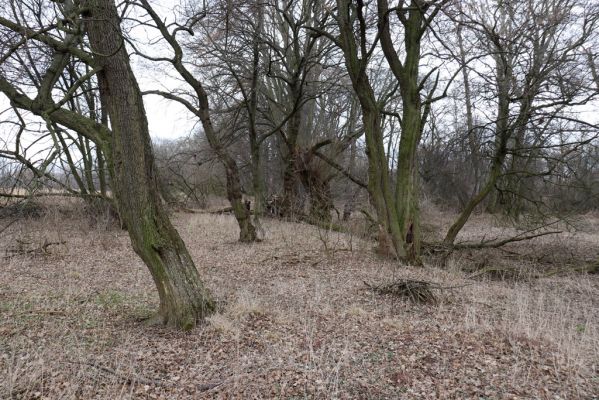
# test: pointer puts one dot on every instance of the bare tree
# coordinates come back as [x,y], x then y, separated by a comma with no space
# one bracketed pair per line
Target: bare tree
[196,100]
[183,297]
[535,50]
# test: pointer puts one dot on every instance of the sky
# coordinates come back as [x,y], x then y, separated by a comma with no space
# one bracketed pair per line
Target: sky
[166,119]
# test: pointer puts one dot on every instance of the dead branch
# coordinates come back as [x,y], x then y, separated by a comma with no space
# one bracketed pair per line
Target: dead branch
[446,248]
[42,312]
[220,211]
[207,386]
[415,291]
[24,248]
[587,268]
[498,243]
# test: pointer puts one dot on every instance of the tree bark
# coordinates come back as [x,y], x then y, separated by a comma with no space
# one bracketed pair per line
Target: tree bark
[414,113]
[379,186]
[183,297]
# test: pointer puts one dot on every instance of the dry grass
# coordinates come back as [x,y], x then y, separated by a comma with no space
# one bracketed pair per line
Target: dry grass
[295,321]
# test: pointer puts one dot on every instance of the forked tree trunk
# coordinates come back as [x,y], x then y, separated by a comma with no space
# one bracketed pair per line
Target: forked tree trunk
[183,297]
[414,116]
[379,185]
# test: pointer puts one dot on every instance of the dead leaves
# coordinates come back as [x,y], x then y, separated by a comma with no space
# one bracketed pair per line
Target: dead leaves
[291,330]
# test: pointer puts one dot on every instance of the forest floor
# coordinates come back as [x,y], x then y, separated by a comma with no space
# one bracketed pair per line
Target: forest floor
[295,318]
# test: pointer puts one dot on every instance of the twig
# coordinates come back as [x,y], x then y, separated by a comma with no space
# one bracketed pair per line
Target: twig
[123,377]
[43,312]
[8,225]
[207,386]
[415,291]
[131,379]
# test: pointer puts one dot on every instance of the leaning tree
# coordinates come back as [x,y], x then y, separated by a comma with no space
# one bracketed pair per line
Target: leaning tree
[90,33]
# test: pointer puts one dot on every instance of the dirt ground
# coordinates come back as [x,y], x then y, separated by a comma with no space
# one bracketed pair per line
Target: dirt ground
[295,319]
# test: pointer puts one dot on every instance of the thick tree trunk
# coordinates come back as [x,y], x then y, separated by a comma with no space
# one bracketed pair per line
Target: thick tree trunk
[183,297]
[350,194]
[247,232]
[407,178]
[412,122]
[379,186]
[321,200]
[291,204]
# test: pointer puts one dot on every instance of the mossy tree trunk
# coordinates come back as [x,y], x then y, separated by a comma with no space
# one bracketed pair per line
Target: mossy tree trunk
[291,204]
[183,297]
[379,185]
[252,109]
[416,18]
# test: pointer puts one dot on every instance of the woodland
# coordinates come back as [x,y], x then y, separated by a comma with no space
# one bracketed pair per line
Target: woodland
[346,199]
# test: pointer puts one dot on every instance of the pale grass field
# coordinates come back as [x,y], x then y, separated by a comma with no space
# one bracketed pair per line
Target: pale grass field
[295,320]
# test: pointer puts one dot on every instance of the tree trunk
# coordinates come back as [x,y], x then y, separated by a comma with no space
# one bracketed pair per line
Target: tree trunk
[475,158]
[202,111]
[247,232]
[291,204]
[501,139]
[350,195]
[379,186]
[413,118]
[321,200]
[255,142]
[183,297]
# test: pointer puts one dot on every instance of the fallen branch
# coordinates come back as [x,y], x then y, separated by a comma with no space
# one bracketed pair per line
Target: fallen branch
[441,247]
[588,268]
[498,243]
[207,386]
[329,226]
[221,211]
[21,248]
[42,312]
